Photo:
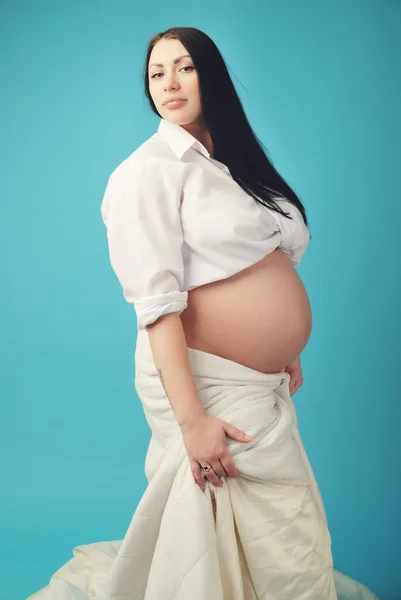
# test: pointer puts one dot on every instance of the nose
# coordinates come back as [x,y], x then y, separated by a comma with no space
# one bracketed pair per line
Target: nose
[170,82]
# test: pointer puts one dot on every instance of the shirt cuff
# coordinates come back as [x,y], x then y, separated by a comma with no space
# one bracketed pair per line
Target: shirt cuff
[153,307]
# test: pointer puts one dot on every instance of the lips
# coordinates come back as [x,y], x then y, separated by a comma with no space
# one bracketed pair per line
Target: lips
[174,100]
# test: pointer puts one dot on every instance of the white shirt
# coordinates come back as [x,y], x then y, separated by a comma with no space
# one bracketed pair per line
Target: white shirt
[176,220]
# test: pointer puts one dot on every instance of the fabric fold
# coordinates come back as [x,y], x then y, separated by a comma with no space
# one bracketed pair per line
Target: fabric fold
[261,536]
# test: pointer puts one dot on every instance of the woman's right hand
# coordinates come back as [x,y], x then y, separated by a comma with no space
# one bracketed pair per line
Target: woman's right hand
[205,441]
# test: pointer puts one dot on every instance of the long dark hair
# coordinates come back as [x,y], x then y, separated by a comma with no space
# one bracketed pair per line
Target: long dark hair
[235,143]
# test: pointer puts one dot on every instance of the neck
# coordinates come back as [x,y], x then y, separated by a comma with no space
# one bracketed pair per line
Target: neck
[199,131]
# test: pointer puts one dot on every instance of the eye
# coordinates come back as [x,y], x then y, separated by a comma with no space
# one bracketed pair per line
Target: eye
[187,67]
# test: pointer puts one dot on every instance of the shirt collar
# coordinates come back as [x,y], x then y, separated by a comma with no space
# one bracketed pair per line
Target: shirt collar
[179,139]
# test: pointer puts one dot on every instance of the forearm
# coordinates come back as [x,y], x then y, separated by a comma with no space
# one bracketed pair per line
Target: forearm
[170,355]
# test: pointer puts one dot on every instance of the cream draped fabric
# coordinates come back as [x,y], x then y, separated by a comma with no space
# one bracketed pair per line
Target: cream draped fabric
[268,538]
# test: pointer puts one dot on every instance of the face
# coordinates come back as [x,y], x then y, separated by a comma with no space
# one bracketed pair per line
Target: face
[174,80]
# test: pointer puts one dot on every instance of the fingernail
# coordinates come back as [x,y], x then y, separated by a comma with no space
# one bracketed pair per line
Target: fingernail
[247,437]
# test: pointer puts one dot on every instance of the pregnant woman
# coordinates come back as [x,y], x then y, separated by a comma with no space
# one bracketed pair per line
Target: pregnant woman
[203,235]
[221,315]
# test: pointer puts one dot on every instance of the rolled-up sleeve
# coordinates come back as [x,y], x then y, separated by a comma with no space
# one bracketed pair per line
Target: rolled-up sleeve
[295,234]
[140,209]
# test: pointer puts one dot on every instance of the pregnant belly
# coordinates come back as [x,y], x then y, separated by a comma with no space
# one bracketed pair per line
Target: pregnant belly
[260,317]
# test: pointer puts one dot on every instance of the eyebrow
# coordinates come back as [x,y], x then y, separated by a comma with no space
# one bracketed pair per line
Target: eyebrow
[175,61]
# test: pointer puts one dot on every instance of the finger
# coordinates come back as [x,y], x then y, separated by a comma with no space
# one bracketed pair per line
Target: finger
[197,473]
[229,465]
[236,434]
[217,467]
[226,460]
[296,383]
[212,477]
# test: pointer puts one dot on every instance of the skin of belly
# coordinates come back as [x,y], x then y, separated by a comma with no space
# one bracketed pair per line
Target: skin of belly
[260,317]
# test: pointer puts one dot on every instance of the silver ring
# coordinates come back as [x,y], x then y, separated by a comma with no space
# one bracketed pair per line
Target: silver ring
[206,469]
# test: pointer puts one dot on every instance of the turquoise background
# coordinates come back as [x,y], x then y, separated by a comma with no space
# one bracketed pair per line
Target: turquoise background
[320,82]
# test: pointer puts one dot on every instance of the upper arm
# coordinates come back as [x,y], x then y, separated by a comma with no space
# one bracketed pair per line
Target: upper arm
[140,209]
